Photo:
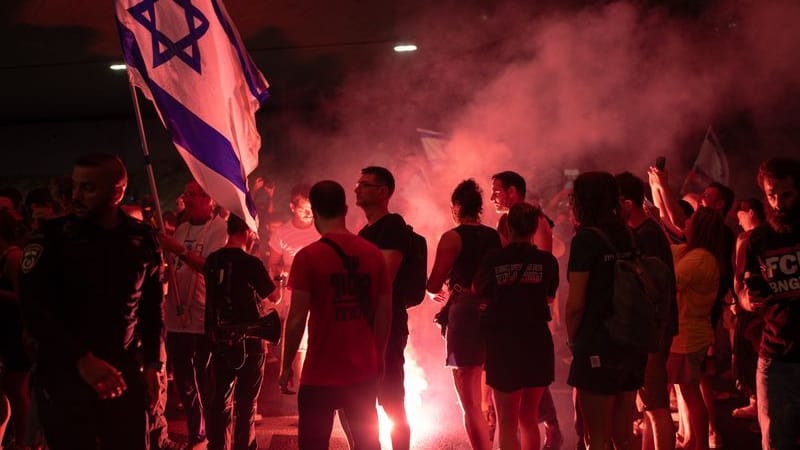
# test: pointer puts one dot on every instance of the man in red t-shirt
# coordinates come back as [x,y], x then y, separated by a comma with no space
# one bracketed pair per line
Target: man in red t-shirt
[341,285]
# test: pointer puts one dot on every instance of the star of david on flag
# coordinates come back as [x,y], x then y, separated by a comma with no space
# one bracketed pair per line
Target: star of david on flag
[187,57]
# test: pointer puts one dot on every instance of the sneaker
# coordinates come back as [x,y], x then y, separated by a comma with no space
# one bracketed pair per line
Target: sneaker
[714,440]
[553,439]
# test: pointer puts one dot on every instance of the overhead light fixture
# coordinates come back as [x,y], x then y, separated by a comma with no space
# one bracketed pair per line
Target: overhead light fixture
[118,67]
[402,48]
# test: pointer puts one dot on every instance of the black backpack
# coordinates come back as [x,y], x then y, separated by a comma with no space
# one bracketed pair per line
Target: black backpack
[643,287]
[412,275]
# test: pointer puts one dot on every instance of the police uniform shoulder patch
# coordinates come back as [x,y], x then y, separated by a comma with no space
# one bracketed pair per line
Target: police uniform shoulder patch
[30,256]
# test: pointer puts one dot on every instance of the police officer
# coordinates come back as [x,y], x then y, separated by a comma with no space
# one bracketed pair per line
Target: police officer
[236,283]
[88,281]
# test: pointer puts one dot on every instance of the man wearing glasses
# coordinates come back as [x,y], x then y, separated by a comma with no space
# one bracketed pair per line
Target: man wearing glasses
[389,232]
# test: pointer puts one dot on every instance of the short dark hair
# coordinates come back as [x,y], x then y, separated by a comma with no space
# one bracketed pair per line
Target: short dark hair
[596,200]
[727,195]
[328,199]
[383,176]
[755,205]
[779,169]
[523,219]
[631,188]
[299,191]
[97,160]
[469,197]
[236,225]
[511,179]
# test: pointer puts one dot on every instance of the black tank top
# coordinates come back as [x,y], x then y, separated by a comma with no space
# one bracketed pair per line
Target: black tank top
[476,241]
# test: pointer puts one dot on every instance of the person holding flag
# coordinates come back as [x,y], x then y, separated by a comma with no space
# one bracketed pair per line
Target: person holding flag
[189,60]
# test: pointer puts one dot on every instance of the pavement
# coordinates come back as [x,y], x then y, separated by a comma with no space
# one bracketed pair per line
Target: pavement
[434,413]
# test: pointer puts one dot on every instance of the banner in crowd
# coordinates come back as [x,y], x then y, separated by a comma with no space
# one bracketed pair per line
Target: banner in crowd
[187,57]
[711,165]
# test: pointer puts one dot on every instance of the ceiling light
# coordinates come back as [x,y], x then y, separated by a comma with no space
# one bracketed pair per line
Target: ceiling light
[118,67]
[400,48]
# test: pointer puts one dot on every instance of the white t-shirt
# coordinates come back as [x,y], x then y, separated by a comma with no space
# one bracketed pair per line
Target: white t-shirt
[288,240]
[191,287]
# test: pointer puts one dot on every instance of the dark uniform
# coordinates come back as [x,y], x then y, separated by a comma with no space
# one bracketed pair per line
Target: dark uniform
[87,289]
[235,284]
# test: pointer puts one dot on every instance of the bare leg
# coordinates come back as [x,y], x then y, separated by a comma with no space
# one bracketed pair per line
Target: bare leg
[529,418]
[696,431]
[623,416]
[508,418]
[597,411]
[662,434]
[467,381]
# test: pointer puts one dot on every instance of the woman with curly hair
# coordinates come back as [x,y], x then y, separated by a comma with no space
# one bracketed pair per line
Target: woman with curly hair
[458,256]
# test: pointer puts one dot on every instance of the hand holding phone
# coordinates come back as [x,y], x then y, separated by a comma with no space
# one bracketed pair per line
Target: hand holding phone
[661,163]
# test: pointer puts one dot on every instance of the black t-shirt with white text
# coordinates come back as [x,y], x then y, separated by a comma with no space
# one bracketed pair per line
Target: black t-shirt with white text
[777,257]
[590,253]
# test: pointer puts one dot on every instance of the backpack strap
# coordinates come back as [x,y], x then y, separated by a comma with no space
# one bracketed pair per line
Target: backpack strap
[607,240]
[347,260]
[350,266]
[604,237]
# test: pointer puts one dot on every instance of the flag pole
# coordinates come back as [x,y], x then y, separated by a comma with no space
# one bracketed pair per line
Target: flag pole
[148,164]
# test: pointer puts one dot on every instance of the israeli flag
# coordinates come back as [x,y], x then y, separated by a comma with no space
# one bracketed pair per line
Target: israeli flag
[188,59]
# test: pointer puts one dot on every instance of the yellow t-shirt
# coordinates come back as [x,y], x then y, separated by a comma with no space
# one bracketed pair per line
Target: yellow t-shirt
[697,277]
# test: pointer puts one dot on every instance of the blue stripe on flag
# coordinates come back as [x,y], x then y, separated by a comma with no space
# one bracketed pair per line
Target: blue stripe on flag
[251,73]
[189,131]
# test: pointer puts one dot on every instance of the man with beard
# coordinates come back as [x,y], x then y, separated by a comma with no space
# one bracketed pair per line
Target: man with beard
[508,189]
[89,282]
[772,285]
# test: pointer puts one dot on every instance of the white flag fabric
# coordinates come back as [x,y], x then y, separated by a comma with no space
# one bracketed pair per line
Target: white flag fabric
[433,143]
[711,165]
[187,57]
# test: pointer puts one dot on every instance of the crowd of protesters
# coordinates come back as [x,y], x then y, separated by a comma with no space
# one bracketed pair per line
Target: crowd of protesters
[99,309]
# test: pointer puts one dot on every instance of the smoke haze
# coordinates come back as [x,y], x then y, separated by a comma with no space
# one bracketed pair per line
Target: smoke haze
[599,88]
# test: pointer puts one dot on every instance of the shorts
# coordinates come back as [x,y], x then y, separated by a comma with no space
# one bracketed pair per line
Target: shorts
[464,342]
[520,360]
[392,388]
[608,374]
[685,368]
[654,394]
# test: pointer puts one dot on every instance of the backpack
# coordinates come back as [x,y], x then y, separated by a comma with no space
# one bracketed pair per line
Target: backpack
[412,275]
[642,289]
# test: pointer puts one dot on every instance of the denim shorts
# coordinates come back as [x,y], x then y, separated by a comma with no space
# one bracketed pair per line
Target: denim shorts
[465,344]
